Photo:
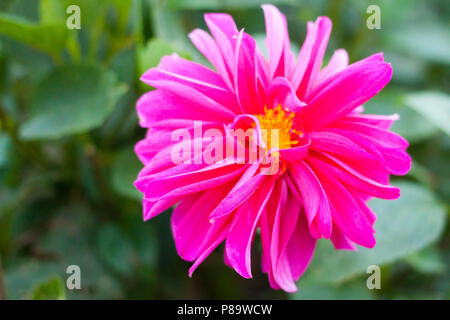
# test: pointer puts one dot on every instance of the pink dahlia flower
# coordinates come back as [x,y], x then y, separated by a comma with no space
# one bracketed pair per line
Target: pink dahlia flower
[310,180]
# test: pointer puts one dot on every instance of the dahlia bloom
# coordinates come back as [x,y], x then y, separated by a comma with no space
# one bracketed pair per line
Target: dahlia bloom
[311,180]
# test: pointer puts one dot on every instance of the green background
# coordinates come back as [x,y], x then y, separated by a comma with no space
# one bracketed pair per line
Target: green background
[68,127]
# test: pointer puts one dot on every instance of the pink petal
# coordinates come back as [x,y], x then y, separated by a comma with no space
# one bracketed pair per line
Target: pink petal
[333,143]
[340,241]
[187,183]
[395,159]
[311,55]
[362,202]
[179,102]
[224,31]
[338,62]
[245,74]
[300,248]
[208,47]
[280,92]
[381,121]
[240,236]
[277,40]
[241,191]
[215,236]
[286,216]
[345,211]
[193,75]
[379,136]
[353,88]
[315,200]
[348,176]
[152,208]
[190,223]
[377,57]
[265,225]
[296,153]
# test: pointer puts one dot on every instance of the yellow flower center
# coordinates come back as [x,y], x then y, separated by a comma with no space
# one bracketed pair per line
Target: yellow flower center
[276,128]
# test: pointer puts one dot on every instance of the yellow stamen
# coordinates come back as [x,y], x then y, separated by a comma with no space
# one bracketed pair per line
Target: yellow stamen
[276,124]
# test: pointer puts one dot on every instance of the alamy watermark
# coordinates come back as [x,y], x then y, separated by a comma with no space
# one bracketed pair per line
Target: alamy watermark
[74,19]
[374,19]
[374,280]
[73,281]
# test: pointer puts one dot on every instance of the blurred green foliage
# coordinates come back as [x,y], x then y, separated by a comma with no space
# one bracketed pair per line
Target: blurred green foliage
[68,128]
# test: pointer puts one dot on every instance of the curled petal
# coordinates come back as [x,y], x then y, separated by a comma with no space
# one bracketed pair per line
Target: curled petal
[280,92]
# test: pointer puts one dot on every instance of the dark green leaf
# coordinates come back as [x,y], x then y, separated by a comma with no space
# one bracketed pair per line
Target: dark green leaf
[72,99]
[427,261]
[50,39]
[5,149]
[71,240]
[355,290]
[22,278]
[124,172]
[115,249]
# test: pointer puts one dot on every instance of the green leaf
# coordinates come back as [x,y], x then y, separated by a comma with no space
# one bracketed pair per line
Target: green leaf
[145,243]
[5,147]
[20,279]
[123,11]
[70,242]
[33,64]
[428,41]
[125,170]
[167,25]
[408,70]
[355,290]
[5,4]
[403,226]
[124,64]
[72,99]
[25,9]
[115,249]
[50,39]
[51,289]
[52,12]
[427,261]
[434,106]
